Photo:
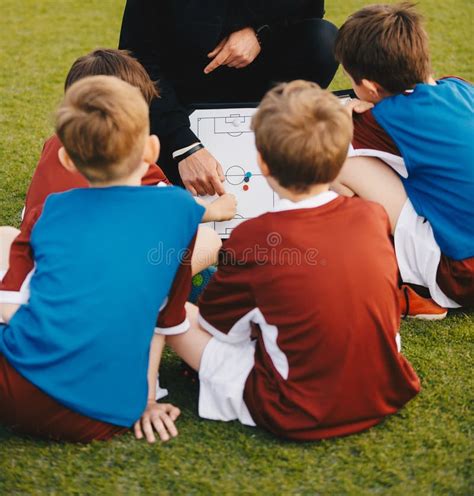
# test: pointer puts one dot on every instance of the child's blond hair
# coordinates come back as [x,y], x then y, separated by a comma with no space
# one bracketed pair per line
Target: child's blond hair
[103,124]
[303,134]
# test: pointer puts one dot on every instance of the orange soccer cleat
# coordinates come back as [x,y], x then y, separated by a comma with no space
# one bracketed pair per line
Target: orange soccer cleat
[415,306]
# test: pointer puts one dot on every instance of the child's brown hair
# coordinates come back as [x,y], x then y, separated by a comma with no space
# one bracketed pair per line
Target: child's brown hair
[111,62]
[386,44]
[103,124]
[303,134]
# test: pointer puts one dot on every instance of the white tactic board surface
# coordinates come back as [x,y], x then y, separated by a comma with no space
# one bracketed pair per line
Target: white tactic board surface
[228,136]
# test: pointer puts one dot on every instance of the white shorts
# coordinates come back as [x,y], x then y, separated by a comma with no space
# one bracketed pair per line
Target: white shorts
[418,254]
[222,376]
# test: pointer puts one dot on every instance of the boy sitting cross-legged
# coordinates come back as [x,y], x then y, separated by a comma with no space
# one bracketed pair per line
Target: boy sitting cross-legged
[413,153]
[108,260]
[298,330]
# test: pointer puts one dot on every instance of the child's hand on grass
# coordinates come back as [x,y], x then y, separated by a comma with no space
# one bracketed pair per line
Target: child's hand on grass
[223,208]
[157,417]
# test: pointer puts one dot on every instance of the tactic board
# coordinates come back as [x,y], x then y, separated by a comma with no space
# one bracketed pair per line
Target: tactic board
[227,134]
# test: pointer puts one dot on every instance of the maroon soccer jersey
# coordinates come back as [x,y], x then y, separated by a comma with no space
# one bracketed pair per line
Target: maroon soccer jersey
[51,177]
[317,286]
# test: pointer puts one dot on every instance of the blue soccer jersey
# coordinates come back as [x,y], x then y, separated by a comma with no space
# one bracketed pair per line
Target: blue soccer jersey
[105,262]
[433,129]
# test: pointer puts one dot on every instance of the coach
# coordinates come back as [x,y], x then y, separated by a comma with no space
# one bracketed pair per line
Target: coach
[220,51]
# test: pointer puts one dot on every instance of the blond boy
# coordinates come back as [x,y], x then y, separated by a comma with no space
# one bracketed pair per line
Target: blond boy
[108,259]
[298,330]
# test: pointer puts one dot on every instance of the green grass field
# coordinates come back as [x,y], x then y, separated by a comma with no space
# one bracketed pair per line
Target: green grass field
[425,449]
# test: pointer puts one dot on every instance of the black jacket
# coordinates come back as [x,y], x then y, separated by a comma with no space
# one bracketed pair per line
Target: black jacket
[171,38]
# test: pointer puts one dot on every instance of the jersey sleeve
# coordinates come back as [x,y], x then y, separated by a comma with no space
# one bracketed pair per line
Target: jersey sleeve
[172,317]
[371,140]
[227,307]
[14,287]
[155,177]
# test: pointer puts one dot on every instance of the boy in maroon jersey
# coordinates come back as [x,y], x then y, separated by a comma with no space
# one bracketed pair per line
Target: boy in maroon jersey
[298,330]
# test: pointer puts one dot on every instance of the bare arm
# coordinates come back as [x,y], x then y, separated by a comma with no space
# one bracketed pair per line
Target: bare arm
[157,417]
[221,209]
[156,350]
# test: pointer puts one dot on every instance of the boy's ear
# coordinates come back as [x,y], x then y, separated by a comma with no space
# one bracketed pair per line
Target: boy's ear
[263,165]
[66,161]
[152,149]
[374,89]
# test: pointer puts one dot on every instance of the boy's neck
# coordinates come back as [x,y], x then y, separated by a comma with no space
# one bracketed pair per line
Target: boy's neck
[134,179]
[130,181]
[430,81]
[295,196]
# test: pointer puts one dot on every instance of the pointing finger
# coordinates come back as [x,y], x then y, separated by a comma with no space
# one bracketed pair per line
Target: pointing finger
[220,59]
[218,48]
[217,185]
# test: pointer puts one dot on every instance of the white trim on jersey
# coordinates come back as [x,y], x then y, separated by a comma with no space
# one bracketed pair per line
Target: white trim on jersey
[18,297]
[165,302]
[394,161]
[172,331]
[241,331]
[318,200]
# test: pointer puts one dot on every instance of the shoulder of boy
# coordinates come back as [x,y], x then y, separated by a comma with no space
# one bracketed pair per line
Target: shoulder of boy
[249,233]
[374,212]
[183,200]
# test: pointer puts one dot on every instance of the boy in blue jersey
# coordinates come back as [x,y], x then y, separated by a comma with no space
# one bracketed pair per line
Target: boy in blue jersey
[413,152]
[74,358]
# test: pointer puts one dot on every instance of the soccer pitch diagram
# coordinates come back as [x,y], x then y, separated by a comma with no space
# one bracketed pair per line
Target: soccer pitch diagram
[227,134]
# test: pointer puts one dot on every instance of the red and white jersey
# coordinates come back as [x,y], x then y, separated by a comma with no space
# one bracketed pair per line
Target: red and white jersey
[454,277]
[371,140]
[316,283]
[49,177]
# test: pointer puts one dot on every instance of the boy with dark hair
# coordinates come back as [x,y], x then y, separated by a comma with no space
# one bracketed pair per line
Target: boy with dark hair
[78,350]
[50,176]
[413,153]
[314,282]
